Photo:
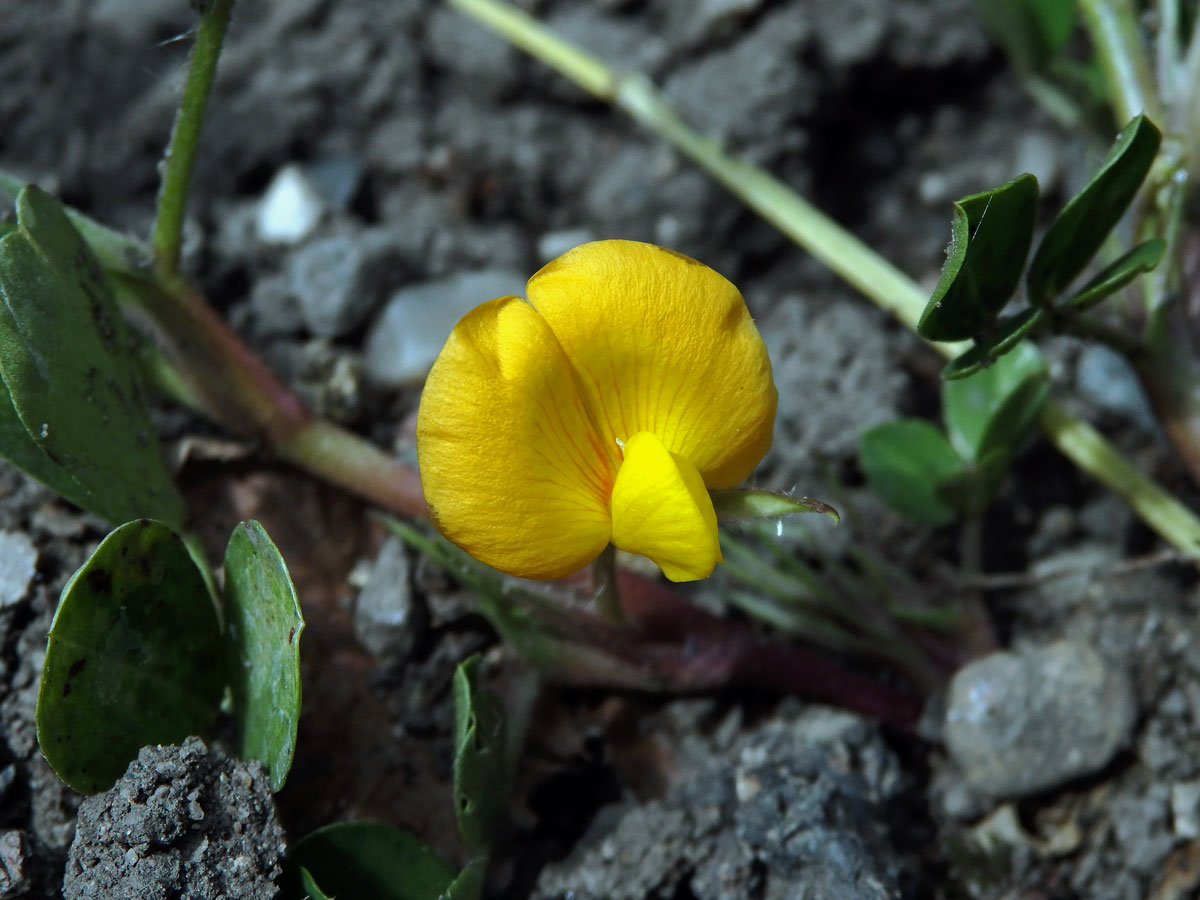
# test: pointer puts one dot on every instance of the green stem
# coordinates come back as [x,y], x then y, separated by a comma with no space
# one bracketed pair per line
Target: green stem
[200,362]
[605,591]
[185,136]
[1113,28]
[853,261]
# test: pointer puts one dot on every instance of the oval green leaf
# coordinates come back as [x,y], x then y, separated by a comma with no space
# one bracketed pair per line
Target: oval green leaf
[366,861]
[262,634]
[1004,338]
[66,358]
[738,506]
[480,770]
[1141,259]
[1078,231]
[904,462]
[990,235]
[996,408]
[134,657]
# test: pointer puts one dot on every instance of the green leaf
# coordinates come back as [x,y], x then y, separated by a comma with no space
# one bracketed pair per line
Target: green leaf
[134,657]
[1078,231]
[20,449]
[311,889]
[1142,258]
[1032,32]
[1004,338]
[972,489]
[737,506]
[65,356]
[262,634]
[996,408]
[904,462]
[480,770]
[365,861]
[989,239]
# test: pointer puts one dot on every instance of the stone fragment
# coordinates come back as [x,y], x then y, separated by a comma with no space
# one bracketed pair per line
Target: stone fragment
[18,562]
[290,208]
[1019,723]
[409,333]
[386,619]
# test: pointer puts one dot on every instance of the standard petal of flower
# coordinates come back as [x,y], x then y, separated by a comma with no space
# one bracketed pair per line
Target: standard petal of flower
[663,344]
[661,509]
[513,468]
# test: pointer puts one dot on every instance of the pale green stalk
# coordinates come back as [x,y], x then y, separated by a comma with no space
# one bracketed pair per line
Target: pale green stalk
[1113,28]
[185,136]
[850,258]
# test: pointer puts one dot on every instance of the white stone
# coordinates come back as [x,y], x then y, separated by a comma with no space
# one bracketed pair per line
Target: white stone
[290,208]
[18,559]
[409,333]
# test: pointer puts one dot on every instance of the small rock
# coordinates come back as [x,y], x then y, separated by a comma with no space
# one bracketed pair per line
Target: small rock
[477,56]
[290,208]
[18,562]
[407,337]
[25,873]
[1105,378]
[330,279]
[553,244]
[1021,723]
[183,821]
[336,178]
[1185,809]
[386,619]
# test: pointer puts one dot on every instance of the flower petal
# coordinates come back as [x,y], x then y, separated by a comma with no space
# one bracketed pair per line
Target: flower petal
[513,466]
[660,509]
[666,345]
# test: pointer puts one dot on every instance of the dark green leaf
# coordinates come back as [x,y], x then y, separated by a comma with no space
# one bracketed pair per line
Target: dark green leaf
[904,462]
[1142,258]
[989,240]
[263,626]
[996,408]
[365,861]
[1032,32]
[480,772]
[134,657]
[737,506]
[1004,338]
[972,489]
[20,449]
[311,889]
[1078,231]
[65,355]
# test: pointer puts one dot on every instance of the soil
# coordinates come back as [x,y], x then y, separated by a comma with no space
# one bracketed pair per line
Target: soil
[434,151]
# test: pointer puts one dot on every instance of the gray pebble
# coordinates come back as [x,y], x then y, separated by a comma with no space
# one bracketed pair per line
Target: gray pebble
[1105,378]
[1020,723]
[386,619]
[407,337]
[18,561]
[330,280]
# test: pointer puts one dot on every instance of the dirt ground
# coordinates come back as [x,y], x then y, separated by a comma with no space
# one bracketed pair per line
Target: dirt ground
[445,168]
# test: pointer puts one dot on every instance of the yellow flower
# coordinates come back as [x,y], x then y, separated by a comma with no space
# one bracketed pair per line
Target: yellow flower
[603,409]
